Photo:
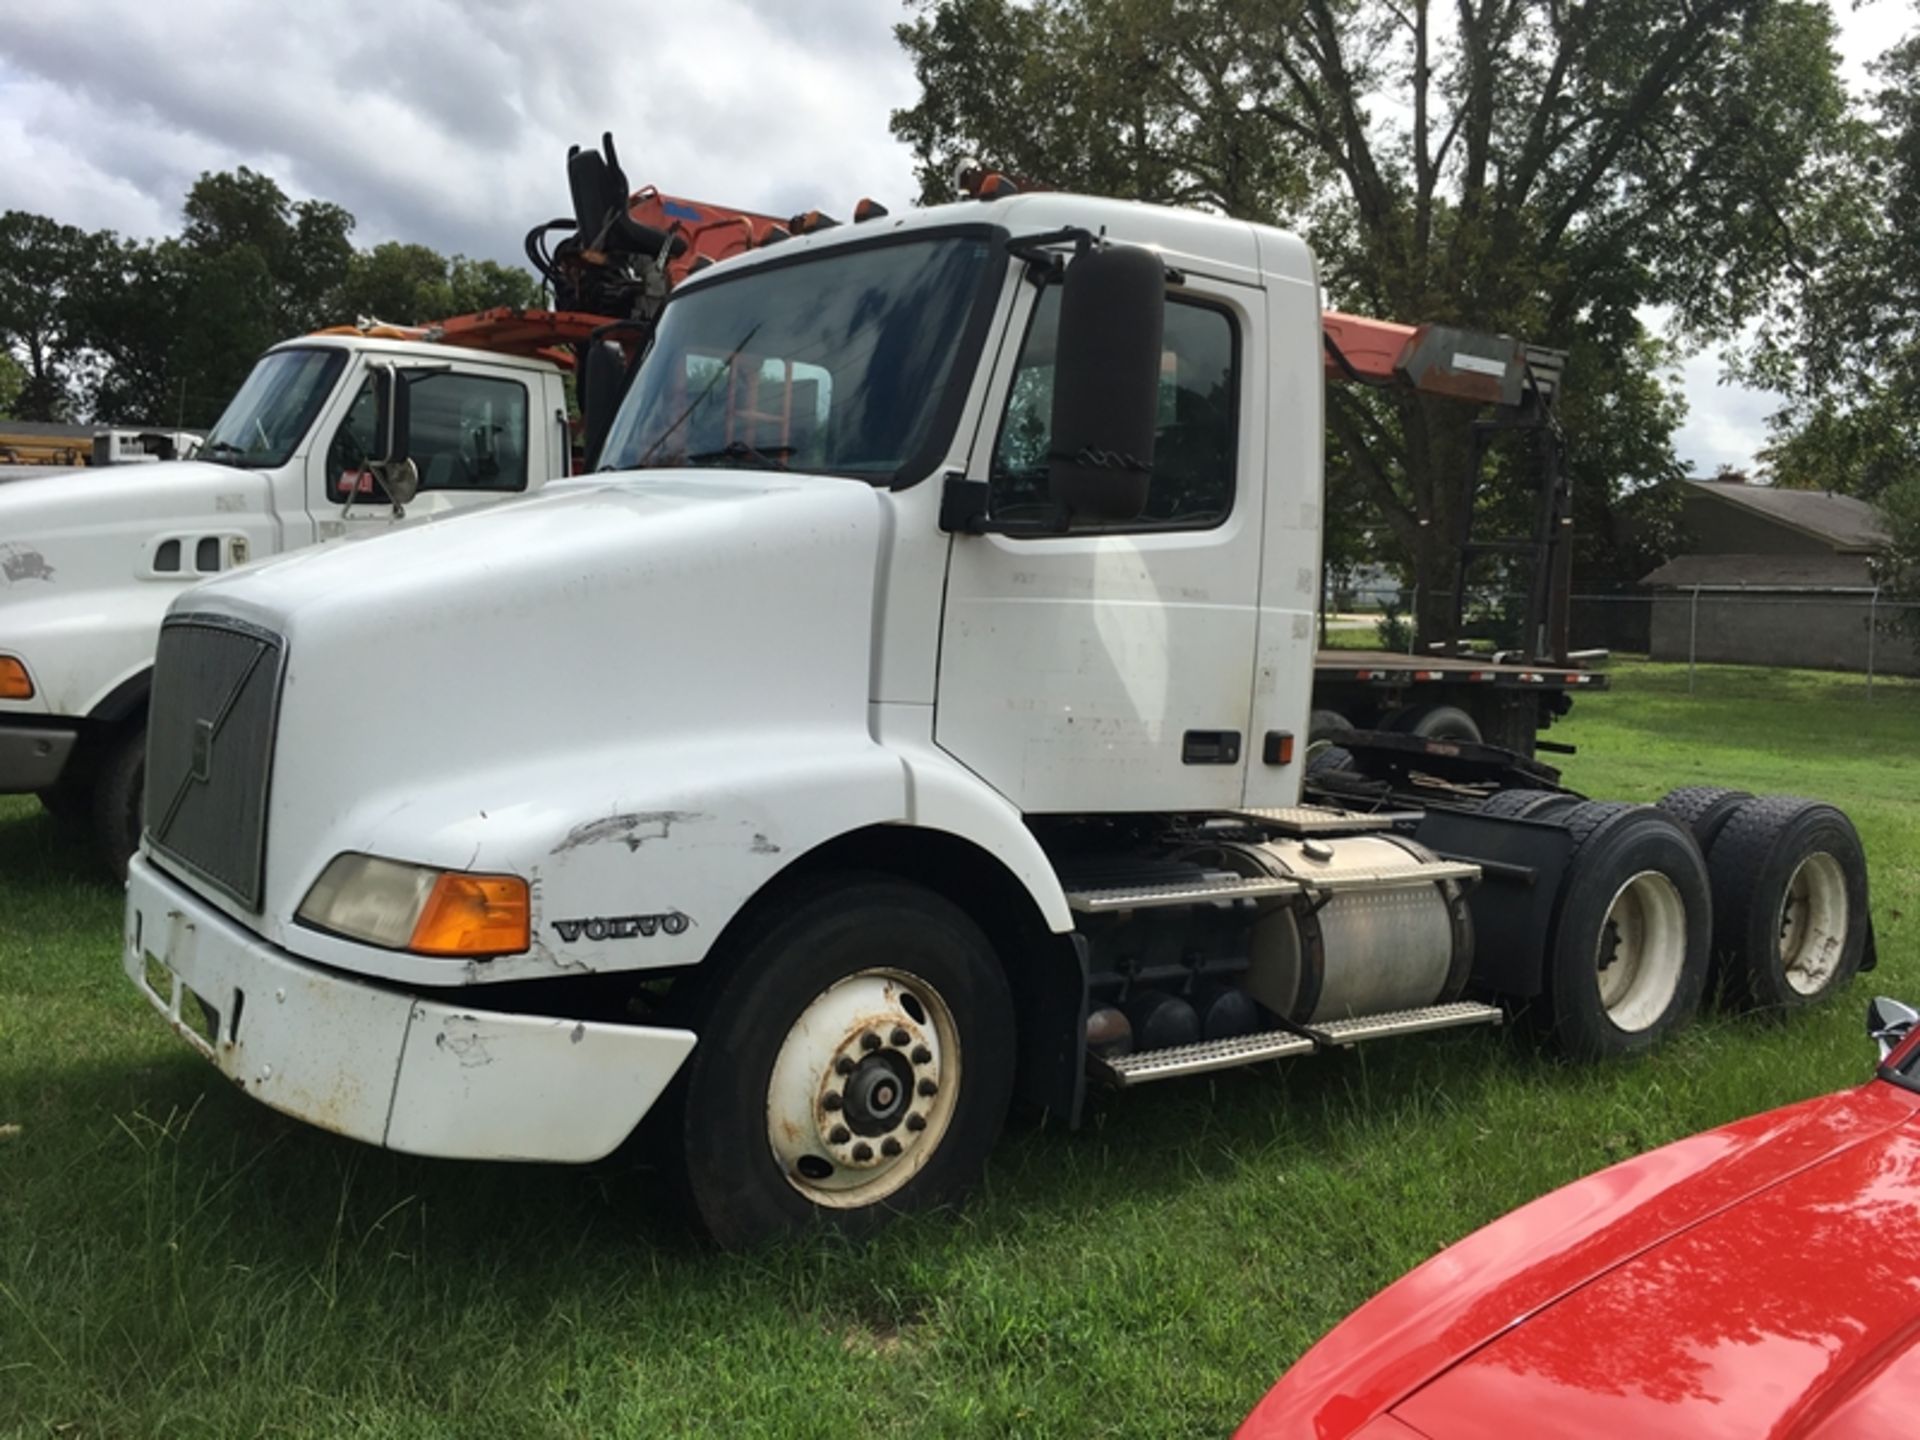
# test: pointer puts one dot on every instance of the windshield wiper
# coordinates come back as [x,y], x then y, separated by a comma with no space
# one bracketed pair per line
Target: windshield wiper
[220,447]
[771,458]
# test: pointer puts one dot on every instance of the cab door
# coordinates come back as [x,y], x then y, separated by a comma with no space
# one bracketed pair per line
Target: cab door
[1110,669]
[470,436]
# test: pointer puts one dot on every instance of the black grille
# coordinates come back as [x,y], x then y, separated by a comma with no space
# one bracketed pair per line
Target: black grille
[210,728]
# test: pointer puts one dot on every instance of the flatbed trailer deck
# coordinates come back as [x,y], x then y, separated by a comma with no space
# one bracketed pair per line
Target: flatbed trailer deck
[1385,690]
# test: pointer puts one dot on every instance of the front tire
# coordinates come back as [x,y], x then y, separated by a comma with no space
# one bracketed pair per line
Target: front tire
[69,802]
[855,1061]
[118,799]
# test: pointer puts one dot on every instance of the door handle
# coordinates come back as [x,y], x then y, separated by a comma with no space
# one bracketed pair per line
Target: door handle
[1210,747]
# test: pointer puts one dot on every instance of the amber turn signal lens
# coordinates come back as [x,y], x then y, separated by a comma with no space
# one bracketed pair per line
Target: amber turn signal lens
[473,915]
[15,683]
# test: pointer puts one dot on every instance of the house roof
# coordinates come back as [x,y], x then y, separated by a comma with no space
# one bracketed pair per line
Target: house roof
[1847,524]
[1764,572]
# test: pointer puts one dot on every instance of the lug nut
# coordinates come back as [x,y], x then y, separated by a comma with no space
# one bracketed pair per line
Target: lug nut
[843,1066]
[889,1146]
[863,1151]
[921,1055]
[869,1041]
[916,1122]
[831,1100]
[899,1036]
[840,1135]
[927,1087]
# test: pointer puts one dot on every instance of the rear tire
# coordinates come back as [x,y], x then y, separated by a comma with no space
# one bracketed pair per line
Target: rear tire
[118,800]
[1703,808]
[1327,725]
[1527,804]
[1631,939]
[792,1117]
[1436,722]
[1790,902]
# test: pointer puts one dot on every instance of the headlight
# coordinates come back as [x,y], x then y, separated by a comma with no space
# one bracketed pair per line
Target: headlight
[412,907]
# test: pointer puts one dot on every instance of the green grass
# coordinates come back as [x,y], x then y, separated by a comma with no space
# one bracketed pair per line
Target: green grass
[178,1260]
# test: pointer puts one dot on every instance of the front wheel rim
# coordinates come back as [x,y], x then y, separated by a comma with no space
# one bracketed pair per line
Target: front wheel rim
[1813,923]
[863,1088]
[1642,950]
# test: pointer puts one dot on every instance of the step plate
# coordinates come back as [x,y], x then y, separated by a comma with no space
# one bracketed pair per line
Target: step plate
[1146,897]
[1148,1065]
[1429,873]
[1303,820]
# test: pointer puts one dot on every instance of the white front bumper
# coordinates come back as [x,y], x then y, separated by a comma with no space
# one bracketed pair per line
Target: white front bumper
[383,1066]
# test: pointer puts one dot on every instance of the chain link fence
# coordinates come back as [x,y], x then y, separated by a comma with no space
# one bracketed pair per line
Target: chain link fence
[1860,633]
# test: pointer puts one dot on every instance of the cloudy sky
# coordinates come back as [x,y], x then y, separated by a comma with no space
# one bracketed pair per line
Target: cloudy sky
[446,121]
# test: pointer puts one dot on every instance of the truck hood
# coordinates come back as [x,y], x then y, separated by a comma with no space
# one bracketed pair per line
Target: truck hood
[441,681]
[63,526]
[80,599]
[1794,1313]
[1755,1280]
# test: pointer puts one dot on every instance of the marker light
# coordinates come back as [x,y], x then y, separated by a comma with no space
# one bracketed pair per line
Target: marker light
[15,683]
[473,915]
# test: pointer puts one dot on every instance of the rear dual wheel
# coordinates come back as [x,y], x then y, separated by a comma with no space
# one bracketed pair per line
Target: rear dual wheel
[1790,902]
[1631,939]
[855,1061]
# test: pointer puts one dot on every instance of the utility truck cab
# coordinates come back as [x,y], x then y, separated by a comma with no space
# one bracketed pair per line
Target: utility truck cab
[914,716]
[304,455]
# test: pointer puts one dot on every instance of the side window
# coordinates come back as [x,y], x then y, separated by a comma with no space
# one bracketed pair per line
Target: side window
[1193,452]
[352,445]
[467,432]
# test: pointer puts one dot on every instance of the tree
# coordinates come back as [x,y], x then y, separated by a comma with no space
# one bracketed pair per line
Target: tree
[1849,352]
[412,284]
[12,381]
[1546,168]
[166,330]
[39,261]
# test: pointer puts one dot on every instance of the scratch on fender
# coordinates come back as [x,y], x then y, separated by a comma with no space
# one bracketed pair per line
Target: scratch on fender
[632,829]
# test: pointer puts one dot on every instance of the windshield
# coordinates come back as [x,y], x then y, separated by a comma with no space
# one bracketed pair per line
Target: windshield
[266,421]
[837,365]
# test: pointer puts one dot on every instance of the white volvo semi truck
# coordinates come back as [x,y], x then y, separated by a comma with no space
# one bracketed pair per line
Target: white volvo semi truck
[912,718]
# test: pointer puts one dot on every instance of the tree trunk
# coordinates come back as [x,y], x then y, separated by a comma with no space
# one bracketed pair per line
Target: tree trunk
[1435,566]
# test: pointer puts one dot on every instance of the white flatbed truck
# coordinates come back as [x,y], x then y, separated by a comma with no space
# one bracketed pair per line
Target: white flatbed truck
[912,718]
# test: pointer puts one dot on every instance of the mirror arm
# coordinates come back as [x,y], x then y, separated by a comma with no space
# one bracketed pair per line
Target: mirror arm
[963,511]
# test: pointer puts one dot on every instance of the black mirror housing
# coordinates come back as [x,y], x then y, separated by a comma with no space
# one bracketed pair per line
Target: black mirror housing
[1106,387]
[603,381]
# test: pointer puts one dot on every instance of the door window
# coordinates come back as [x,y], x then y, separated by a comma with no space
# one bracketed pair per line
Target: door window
[1194,443]
[465,432]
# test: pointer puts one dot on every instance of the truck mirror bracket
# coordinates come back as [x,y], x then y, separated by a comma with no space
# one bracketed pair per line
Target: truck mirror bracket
[963,511]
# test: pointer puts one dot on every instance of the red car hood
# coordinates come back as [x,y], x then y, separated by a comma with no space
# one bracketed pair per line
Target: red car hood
[1760,1280]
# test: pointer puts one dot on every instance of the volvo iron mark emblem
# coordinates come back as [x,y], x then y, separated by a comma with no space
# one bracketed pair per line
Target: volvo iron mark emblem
[201,766]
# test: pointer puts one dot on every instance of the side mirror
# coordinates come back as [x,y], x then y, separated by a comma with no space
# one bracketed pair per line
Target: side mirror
[1888,1022]
[1106,383]
[401,482]
[392,414]
[603,380]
